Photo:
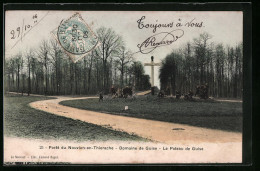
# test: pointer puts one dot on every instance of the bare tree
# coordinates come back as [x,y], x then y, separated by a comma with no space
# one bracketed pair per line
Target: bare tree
[110,43]
[200,45]
[56,53]
[12,71]
[124,57]
[18,60]
[43,55]
[220,56]
[29,56]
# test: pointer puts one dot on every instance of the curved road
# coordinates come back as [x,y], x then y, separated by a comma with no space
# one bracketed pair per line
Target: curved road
[158,131]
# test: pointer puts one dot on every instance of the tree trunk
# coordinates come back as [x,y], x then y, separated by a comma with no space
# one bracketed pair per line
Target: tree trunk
[18,78]
[29,79]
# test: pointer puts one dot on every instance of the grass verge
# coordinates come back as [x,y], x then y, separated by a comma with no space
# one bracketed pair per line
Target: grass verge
[20,120]
[202,113]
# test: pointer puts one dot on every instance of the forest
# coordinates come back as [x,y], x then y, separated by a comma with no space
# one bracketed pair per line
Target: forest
[48,70]
[203,62]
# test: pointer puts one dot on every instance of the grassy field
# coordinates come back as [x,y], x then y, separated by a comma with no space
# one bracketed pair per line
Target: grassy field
[203,113]
[22,121]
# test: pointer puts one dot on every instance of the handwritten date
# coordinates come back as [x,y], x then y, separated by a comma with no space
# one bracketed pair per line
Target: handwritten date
[18,32]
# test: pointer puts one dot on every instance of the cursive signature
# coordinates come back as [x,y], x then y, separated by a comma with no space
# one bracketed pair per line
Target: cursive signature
[160,39]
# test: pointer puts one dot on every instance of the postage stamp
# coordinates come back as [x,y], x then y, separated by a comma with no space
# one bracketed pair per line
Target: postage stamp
[75,37]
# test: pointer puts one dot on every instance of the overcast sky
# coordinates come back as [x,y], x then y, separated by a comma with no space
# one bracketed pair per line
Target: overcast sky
[225,27]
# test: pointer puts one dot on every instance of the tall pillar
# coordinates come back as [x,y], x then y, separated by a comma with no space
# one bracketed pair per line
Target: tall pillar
[152,64]
[152,76]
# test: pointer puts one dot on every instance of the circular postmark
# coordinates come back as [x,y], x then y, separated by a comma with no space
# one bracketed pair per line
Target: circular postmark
[75,36]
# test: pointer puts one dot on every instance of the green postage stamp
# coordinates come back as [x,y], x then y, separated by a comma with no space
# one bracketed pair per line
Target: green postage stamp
[75,37]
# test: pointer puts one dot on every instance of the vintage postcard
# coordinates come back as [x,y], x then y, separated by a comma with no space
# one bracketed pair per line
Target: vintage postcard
[123,87]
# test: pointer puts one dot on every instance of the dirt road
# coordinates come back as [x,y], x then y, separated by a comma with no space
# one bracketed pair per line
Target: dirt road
[157,131]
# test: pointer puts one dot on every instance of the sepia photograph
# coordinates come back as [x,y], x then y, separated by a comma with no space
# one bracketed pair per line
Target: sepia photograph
[122,87]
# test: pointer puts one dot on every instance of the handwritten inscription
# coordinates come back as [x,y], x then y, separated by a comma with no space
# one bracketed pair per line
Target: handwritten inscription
[160,39]
[27,25]
[164,38]
[141,24]
[21,30]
